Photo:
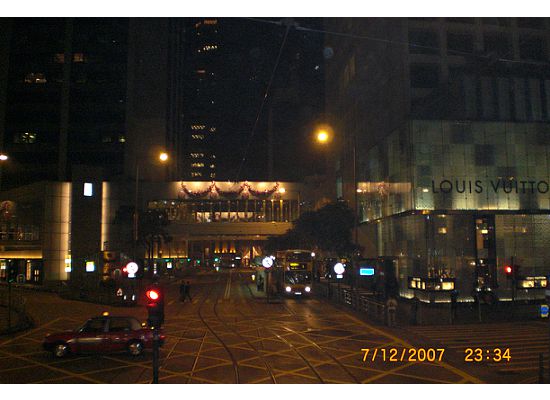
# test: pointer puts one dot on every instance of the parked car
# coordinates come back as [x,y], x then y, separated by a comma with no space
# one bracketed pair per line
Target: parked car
[104,334]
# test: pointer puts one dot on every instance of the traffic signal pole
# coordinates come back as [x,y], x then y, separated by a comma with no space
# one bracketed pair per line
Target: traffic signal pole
[155,309]
[156,356]
[9,304]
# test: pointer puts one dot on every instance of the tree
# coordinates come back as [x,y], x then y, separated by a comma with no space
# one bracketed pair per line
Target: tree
[327,229]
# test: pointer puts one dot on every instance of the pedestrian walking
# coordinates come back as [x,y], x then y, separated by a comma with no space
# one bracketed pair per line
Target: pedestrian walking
[183,289]
[454,300]
[414,310]
[391,309]
[188,291]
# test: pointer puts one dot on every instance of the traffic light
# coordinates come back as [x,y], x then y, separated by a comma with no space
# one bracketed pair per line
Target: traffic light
[509,271]
[512,271]
[155,306]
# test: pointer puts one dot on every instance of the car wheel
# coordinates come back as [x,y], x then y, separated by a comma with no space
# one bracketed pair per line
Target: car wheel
[135,348]
[60,350]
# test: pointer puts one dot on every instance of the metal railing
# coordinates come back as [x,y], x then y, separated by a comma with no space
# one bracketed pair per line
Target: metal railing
[356,299]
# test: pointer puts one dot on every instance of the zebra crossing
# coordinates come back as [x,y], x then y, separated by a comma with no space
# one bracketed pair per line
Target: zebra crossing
[525,340]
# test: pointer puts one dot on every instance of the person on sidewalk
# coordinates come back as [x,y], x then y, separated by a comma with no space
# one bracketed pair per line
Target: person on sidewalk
[391,309]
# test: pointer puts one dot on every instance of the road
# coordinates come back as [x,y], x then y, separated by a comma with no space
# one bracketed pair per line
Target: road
[229,334]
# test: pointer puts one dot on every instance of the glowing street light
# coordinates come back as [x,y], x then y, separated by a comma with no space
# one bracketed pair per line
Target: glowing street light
[3,157]
[322,136]
[163,157]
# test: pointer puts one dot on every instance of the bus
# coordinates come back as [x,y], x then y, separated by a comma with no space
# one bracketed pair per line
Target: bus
[294,270]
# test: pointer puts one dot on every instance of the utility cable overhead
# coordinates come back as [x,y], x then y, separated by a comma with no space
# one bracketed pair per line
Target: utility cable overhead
[264,99]
[397,42]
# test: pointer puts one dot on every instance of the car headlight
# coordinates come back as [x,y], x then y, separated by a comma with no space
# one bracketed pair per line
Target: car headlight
[288,289]
[308,289]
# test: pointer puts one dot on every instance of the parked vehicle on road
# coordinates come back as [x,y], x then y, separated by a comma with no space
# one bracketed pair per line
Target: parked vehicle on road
[104,334]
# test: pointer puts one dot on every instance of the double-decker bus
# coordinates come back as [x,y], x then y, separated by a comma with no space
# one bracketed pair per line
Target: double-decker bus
[294,271]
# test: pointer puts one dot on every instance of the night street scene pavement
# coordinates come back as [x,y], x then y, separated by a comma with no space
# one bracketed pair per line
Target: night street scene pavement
[311,203]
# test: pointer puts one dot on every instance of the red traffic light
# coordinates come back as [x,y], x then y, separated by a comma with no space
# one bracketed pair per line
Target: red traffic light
[508,270]
[152,294]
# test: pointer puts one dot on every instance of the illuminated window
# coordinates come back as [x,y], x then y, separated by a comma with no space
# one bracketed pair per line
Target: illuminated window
[37,77]
[212,175]
[210,22]
[209,47]
[197,165]
[27,137]
[212,165]
[213,129]
[198,127]
[201,71]
[196,174]
[198,137]
[78,57]
[197,155]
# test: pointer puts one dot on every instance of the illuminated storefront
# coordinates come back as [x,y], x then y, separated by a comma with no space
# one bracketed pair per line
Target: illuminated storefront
[460,201]
[34,234]
[54,231]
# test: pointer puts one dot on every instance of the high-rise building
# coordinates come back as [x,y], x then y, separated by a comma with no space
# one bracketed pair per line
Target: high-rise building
[203,99]
[445,132]
[62,96]
[227,128]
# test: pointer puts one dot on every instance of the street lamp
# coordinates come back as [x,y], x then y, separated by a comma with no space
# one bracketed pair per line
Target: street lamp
[3,157]
[324,135]
[163,158]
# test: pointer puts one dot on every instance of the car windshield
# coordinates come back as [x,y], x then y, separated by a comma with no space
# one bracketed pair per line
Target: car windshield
[297,277]
[299,256]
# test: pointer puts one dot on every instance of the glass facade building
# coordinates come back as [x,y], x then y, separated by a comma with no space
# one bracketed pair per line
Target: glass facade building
[461,200]
[444,125]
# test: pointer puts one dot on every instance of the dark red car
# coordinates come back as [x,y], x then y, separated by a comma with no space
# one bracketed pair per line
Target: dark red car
[103,334]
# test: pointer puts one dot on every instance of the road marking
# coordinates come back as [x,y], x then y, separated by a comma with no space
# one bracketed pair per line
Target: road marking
[29,332]
[228,286]
[47,366]
[406,344]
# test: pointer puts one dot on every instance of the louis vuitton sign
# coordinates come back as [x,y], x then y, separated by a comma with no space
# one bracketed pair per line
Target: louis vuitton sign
[497,186]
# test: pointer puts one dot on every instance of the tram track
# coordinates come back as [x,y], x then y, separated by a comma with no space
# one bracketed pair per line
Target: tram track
[182,336]
[269,370]
[231,355]
[282,339]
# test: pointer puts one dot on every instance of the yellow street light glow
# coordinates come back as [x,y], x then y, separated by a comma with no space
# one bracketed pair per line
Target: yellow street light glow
[163,157]
[322,136]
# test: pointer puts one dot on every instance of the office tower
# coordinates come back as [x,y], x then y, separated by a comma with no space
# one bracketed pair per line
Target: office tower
[63,96]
